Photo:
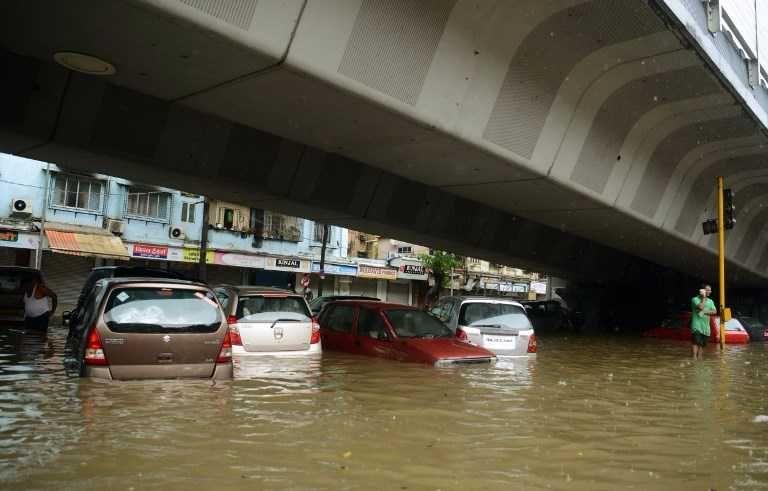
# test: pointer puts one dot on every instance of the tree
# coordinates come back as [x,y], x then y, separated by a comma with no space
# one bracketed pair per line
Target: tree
[439,264]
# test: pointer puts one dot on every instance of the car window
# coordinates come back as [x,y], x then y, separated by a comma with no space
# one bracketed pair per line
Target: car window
[440,310]
[260,308]
[370,324]
[161,309]
[479,314]
[223,298]
[340,318]
[409,323]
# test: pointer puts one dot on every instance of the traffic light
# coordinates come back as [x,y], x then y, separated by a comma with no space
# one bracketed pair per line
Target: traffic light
[709,226]
[729,209]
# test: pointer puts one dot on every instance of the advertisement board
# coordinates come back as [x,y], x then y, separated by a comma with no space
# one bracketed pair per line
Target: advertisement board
[377,272]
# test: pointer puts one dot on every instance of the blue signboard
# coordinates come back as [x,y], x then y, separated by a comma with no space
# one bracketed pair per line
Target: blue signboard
[336,269]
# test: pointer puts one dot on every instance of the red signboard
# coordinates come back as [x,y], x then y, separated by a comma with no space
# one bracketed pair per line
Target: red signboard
[150,251]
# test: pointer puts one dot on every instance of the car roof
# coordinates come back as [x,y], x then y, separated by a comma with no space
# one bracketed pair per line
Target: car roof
[258,290]
[476,298]
[348,297]
[374,304]
[19,269]
[150,279]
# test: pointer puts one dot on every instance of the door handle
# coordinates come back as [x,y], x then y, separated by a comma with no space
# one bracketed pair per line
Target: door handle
[165,358]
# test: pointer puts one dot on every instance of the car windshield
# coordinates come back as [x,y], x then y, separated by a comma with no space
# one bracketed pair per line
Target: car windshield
[162,309]
[733,325]
[270,308]
[750,322]
[491,314]
[13,282]
[409,323]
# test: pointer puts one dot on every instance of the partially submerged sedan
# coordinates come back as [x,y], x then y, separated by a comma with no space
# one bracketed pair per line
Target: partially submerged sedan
[678,328]
[396,332]
[142,328]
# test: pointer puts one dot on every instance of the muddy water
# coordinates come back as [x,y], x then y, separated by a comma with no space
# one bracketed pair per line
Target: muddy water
[587,414]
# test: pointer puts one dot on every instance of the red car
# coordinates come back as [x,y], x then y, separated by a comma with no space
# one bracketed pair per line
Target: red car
[397,332]
[679,328]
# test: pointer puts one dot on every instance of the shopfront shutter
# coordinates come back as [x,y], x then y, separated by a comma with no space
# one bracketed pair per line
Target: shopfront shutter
[365,287]
[223,275]
[7,256]
[65,275]
[397,292]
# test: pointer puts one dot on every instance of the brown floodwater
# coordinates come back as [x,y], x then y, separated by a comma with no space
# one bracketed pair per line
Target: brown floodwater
[587,414]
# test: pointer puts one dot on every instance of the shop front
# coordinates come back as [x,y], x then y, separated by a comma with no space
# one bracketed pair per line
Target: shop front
[17,247]
[337,278]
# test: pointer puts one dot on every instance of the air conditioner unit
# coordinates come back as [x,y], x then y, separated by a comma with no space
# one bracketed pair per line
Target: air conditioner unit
[116,227]
[21,207]
[176,233]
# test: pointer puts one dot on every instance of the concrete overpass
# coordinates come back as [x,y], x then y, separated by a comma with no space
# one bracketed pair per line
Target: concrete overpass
[580,137]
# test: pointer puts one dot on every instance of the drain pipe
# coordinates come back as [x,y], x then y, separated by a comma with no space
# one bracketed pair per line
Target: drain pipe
[39,252]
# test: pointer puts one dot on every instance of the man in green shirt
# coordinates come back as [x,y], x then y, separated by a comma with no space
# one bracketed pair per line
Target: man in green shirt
[701,308]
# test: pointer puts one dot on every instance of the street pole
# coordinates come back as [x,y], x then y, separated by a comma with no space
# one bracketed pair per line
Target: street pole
[721,257]
[322,261]
[202,272]
[39,252]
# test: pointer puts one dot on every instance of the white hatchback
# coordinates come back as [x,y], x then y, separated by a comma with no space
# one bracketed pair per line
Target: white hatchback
[268,321]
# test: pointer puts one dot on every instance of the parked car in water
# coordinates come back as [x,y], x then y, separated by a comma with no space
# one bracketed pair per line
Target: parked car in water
[73,317]
[396,332]
[496,324]
[141,328]
[678,328]
[319,303]
[268,321]
[757,330]
[12,282]
[548,315]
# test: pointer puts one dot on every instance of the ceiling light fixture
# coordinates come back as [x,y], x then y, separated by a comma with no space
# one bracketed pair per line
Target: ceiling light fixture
[82,63]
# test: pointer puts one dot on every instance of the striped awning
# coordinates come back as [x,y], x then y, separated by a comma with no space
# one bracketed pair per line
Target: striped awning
[83,244]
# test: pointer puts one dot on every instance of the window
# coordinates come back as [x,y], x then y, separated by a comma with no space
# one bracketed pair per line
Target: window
[405,250]
[370,324]
[442,310]
[147,204]
[188,212]
[473,260]
[490,314]
[411,323]
[282,227]
[223,298]
[339,318]
[77,192]
[318,233]
[269,309]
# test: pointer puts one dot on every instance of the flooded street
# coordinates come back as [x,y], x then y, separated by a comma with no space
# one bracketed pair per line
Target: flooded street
[587,414]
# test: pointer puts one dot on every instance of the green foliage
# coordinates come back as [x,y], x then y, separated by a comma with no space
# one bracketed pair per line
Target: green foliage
[440,263]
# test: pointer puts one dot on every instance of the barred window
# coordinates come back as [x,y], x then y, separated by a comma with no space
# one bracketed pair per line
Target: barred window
[77,192]
[147,204]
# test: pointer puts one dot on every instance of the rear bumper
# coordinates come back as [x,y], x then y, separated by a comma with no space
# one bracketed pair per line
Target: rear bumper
[314,350]
[222,371]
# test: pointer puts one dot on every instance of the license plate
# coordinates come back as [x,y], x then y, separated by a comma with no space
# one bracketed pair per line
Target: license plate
[501,339]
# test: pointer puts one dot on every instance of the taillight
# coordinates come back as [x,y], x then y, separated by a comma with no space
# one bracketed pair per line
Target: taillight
[231,319]
[94,350]
[234,336]
[461,335]
[532,344]
[225,353]
[315,332]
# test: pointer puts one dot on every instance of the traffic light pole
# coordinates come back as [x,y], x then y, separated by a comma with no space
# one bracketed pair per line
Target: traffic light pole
[721,257]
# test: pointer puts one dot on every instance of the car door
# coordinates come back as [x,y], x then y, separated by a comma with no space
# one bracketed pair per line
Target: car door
[372,336]
[224,299]
[336,327]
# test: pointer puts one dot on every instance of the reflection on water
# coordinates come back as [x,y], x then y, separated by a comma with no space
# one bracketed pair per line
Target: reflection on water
[586,414]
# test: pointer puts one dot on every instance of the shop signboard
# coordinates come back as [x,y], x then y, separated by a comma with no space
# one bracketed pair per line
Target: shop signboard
[336,269]
[412,272]
[287,264]
[505,287]
[539,287]
[519,288]
[239,260]
[19,240]
[377,272]
[149,251]
[9,236]
[192,255]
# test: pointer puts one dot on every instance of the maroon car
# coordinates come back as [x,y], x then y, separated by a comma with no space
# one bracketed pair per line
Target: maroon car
[397,332]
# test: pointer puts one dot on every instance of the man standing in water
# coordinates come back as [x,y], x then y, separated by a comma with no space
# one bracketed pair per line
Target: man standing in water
[701,308]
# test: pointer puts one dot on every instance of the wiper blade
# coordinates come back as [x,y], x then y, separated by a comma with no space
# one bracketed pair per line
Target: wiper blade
[283,320]
[486,325]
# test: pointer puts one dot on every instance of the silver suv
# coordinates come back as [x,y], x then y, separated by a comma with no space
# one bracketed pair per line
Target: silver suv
[499,325]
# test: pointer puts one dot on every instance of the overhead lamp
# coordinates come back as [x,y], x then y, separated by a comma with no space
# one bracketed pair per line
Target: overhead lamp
[83,63]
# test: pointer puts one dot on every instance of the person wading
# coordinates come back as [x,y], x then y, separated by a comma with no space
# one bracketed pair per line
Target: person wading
[701,308]
[39,302]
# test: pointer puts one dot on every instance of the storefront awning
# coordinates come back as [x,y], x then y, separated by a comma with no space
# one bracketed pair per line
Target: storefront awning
[84,244]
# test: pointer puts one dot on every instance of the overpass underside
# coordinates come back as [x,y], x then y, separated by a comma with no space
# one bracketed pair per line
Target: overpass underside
[577,137]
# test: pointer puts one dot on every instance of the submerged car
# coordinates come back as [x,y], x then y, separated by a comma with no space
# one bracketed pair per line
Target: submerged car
[12,281]
[268,321]
[757,330]
[678,328]
[396,332]
[319,303]
[497,324]
[142,328]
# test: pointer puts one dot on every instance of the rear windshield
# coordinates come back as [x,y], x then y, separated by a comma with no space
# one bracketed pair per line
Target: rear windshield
[162,310]
[13,282]
[267,308]
[487,314]
[416,324]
